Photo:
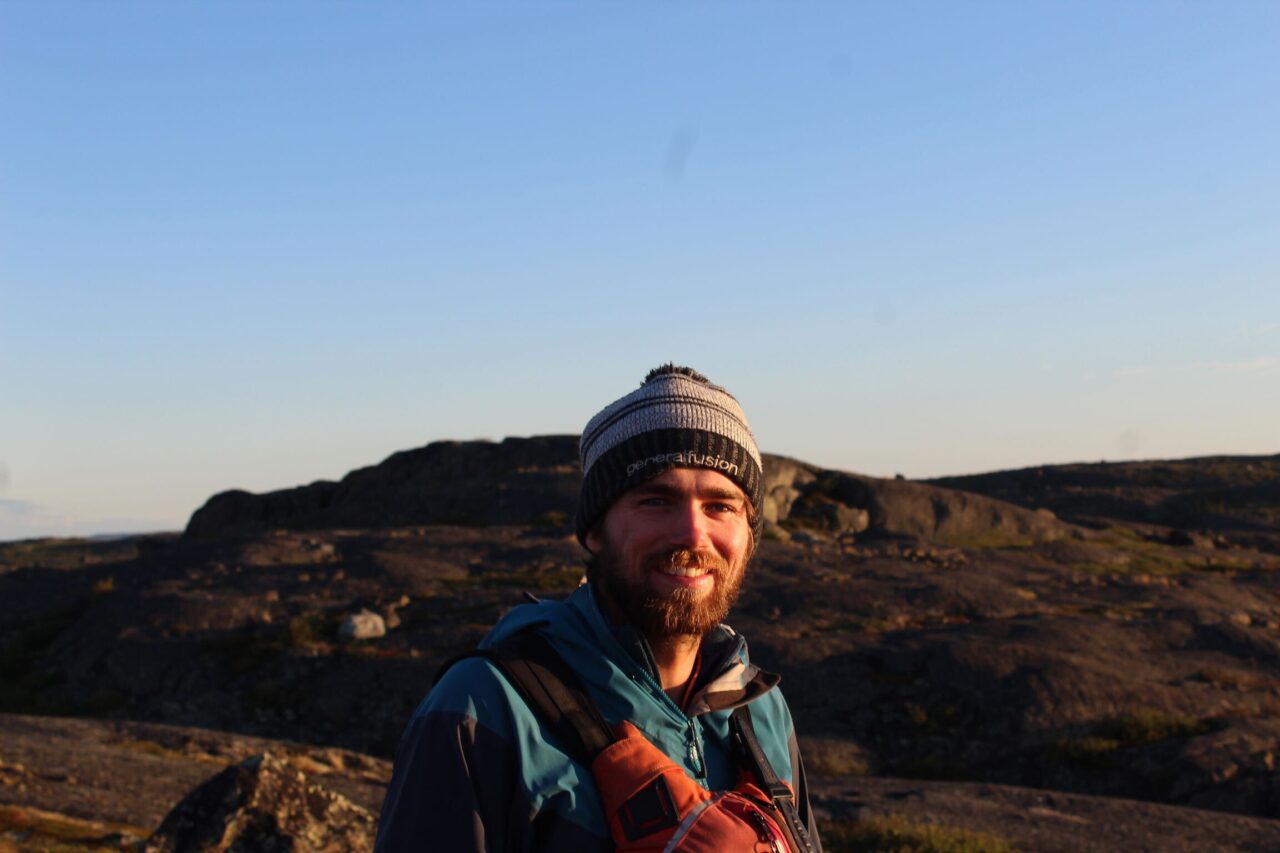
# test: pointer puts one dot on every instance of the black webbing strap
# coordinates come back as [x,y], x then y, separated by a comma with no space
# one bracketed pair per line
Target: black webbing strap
[744,733]
[552,690]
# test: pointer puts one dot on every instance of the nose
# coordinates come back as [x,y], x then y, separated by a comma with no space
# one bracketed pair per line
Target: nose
[690,527]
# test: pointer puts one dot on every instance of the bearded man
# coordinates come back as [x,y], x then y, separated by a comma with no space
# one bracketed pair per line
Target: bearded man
[669,512]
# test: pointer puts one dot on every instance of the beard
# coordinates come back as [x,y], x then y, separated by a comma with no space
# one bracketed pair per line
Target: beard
[679,613]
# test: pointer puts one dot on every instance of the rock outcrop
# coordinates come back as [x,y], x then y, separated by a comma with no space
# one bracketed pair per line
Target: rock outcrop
[515,481]
[535,481]
[802,496]
[263,803]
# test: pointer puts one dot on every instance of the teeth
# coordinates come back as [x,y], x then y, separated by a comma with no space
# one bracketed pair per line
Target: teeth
[686,573]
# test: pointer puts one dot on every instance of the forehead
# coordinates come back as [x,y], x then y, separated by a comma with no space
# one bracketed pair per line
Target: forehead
[694,481]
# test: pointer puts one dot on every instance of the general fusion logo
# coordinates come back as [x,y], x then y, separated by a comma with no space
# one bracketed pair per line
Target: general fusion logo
[682,459]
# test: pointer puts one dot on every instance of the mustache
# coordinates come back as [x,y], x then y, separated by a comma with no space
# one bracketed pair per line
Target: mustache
[683,558]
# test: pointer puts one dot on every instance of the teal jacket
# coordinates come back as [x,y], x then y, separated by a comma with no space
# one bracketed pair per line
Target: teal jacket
[477,771]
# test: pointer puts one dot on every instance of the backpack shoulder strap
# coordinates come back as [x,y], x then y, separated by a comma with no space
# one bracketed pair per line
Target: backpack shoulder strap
[753,757]
[551,689]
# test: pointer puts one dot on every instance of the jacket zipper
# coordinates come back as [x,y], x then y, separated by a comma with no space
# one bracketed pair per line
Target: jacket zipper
[695,751]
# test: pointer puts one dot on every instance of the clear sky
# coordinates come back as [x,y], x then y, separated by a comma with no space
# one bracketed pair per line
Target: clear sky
[255,244]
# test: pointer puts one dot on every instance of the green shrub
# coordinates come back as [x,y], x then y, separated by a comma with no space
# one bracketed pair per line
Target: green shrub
[943,765]
[1151,725]
[25,687]
[1092,751]
[311,629]
[833,757]
[897,834]
[552,519]
[242,652]
[1098,747]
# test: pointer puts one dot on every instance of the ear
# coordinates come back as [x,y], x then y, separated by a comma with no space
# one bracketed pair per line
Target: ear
[592,540]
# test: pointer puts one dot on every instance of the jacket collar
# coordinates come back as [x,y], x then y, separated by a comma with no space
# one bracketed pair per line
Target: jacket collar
[726,679]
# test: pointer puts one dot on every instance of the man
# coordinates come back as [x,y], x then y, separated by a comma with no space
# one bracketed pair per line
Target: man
[670,511]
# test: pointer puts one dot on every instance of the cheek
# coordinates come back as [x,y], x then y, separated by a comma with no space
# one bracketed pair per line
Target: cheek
[735,545]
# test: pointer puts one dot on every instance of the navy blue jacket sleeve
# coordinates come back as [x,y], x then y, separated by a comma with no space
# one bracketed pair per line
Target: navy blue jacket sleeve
[460,783]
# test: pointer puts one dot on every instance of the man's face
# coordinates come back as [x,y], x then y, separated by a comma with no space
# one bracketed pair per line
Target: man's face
[670,554]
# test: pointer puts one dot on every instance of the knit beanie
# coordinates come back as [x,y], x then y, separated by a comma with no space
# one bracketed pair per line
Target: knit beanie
[676,419]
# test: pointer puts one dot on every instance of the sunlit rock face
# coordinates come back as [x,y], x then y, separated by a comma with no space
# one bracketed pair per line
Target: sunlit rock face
[264,803]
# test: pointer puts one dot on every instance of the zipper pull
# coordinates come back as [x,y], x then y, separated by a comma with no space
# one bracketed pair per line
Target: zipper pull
[766,833]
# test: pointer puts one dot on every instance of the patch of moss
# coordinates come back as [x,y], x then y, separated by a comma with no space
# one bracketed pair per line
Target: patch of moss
[272,695]
[23,687]
[37,634]
[1101,744]
[309,629]
[988,540]
[1151,725]
[833,757]
[1121,549]
[552,519]
[30,694]
[1088,751]
[243,652]
[897,834]
[881,625]
[943,766]
[936,719]
[560,578]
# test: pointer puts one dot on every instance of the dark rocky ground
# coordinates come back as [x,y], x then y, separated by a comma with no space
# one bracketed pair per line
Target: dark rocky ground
[1083,657]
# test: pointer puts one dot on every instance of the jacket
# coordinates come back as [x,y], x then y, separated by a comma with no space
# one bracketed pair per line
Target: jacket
[477,771]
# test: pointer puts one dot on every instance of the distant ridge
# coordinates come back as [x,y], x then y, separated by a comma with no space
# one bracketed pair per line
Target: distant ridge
[513,481]
[1236,495]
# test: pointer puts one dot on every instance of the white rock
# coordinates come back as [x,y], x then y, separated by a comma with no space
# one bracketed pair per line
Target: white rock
[364,625]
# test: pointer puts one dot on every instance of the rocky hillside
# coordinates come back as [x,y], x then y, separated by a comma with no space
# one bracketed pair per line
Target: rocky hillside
[535,481]
[949,656]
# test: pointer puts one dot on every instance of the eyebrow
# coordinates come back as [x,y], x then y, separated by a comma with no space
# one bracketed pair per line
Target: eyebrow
[708,493]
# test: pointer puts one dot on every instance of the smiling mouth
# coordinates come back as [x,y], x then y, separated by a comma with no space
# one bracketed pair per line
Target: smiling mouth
[684,573]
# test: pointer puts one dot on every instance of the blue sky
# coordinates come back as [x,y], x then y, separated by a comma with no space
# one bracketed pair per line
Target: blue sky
[251,245]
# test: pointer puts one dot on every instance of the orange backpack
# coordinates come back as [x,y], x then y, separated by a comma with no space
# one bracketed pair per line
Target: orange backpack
[650,802]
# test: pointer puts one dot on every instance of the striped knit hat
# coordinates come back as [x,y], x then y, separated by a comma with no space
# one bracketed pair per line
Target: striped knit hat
[676,419]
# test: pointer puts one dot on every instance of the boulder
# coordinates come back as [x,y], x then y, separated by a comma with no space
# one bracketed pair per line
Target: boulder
[799,495]
[264,803]
[365,625]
